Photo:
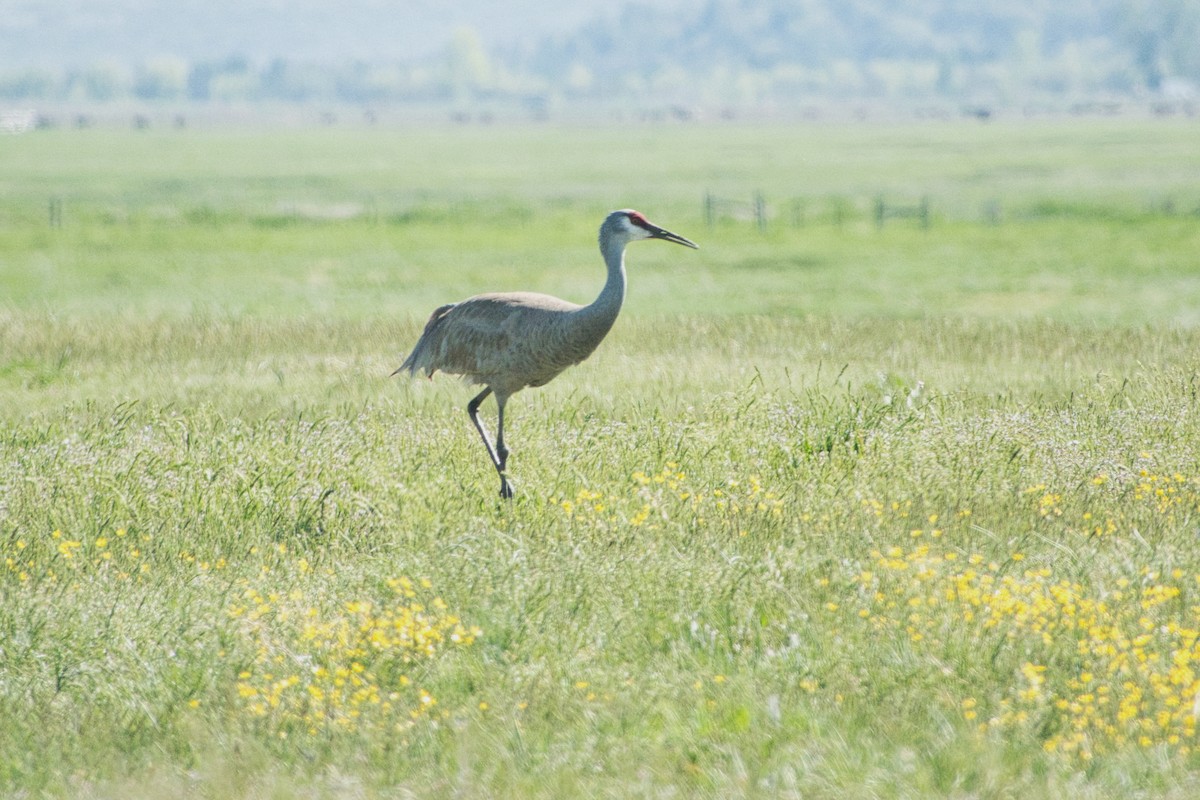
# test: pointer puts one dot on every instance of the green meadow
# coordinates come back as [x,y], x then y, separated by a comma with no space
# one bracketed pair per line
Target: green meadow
[838,510]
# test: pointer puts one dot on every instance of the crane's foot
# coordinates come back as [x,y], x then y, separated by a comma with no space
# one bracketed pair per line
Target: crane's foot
[506,491]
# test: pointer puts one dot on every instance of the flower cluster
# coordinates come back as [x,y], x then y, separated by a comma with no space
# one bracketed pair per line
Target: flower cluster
[347,669]
[1169,495]
[1148,497]
[1098,668]
[668,494]
[58,556]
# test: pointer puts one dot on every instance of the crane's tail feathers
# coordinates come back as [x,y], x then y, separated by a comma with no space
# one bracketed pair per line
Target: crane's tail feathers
[421,357]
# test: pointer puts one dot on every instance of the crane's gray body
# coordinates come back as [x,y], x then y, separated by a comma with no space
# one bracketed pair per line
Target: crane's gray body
[513,340]
[509,341]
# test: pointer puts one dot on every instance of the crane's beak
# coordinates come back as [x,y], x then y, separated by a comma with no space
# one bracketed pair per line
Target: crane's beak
[661,233]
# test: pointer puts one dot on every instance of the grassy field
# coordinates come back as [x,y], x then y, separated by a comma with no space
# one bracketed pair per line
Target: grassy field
[835,511]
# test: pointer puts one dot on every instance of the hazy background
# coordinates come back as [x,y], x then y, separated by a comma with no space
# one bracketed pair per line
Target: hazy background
[538,57]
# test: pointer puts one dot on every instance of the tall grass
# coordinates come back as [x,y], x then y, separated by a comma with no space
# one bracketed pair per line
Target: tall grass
[834,512]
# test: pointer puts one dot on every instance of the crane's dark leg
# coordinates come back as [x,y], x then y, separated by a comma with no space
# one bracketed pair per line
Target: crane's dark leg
[498,460]
[502,451]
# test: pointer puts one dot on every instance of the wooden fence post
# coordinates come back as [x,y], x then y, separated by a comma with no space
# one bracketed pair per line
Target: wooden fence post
[798,213]
[992,212]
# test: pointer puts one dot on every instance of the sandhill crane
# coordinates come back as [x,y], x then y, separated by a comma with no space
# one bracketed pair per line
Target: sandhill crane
[512,340]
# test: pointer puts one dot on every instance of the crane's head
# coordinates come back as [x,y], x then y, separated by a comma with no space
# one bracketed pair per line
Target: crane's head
[630,226]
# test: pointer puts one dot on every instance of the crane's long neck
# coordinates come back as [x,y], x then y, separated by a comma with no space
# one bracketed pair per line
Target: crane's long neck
[602,311]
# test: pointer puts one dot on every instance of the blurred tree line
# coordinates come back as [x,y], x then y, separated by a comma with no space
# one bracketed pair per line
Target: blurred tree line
[718,52]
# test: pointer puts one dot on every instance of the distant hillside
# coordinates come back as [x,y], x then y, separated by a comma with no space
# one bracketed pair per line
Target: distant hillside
[536,52]
[885,46]
[76,33]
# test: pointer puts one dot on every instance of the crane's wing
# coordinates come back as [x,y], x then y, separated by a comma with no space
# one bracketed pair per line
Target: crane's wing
[421,356]
[475,338]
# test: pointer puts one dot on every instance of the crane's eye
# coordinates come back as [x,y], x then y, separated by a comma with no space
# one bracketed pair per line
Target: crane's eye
[637,219]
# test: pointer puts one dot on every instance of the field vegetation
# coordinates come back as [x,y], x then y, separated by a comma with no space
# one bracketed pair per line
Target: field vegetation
[837,511]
